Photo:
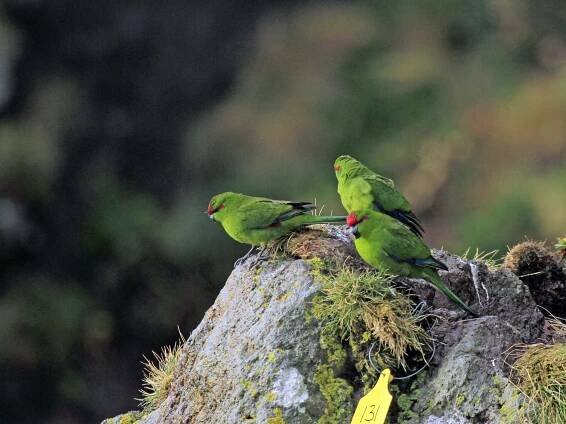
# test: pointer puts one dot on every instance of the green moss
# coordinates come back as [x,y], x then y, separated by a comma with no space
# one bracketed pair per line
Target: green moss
[336,355]
[477,401]
[271,397]
[309,316]
[271,357]
[509,413]
[256,277]
[513,408]
[318,266]
[128,419]
[497,386]
[250,387]
[277,417]
[406,401]
[368,374]
[131,417]
[460,398]
[338,395]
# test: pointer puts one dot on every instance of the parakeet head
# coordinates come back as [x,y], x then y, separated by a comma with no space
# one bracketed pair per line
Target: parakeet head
[354,220]
[343,165]
[217,205]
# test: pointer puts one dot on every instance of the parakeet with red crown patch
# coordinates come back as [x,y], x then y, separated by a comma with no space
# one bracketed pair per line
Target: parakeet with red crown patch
[258,220]
[386,244]
[378,192]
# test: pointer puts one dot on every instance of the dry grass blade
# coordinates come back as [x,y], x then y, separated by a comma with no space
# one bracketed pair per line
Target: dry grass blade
[557,326]
[554,325]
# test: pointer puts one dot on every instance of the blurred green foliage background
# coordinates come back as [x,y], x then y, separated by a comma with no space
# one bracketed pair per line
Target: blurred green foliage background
[118,122]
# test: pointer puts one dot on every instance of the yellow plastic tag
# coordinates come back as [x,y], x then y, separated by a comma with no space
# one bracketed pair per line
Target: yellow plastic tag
[373,407]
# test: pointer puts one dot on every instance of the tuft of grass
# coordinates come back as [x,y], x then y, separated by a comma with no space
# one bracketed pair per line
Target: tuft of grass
[158,375]
[540,374]
[529,258]
[280,245]
[362,306]
[491,258]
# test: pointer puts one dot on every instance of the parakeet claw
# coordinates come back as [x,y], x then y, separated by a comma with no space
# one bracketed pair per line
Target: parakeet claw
[259,258]
[244,258]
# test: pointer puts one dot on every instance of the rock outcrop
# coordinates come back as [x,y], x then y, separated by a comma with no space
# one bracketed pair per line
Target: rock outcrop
[256,357]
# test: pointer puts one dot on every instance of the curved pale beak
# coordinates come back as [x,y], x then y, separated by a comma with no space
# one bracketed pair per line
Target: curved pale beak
[210,216]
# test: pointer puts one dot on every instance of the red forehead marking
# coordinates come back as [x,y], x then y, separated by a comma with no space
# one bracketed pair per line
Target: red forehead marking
[351,220]
[210,210]
[337,168]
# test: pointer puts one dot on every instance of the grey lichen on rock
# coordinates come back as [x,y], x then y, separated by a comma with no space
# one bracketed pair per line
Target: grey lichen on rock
[258,356]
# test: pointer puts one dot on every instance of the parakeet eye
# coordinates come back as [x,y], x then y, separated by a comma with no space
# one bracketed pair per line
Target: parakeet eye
[337,168]
[211,210]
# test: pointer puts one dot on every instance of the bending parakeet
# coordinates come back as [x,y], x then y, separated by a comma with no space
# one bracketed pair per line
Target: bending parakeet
[385,243]
[258,220]
[380,193]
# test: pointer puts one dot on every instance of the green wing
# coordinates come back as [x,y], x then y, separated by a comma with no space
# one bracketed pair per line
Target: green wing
[402,245]
[385,194]
[360,170]
[401,242]
[260,212]
[379,180]
[370,190]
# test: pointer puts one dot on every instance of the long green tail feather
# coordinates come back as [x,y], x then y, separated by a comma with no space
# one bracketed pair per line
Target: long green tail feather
[433,277]
[314,219]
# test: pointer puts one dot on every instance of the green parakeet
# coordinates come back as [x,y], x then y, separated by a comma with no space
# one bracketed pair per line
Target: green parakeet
[258,220]
[385,243]
[378,193]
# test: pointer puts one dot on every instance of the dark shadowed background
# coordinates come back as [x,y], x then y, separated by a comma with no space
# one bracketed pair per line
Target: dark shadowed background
[120,119]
